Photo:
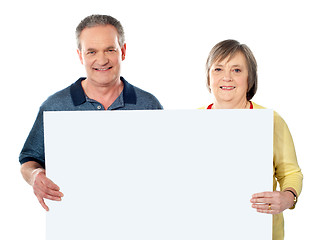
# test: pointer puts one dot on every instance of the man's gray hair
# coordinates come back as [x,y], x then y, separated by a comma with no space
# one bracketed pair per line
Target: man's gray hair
[100,20]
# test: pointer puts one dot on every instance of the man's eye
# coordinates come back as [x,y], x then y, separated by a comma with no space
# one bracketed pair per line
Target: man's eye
[111,50]
[91,53]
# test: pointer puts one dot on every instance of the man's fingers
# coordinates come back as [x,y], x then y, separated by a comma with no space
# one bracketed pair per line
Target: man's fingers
[45,192]
[41,201]
[50,192]
[41,179]
[48,183]
[44,188]
[43,195]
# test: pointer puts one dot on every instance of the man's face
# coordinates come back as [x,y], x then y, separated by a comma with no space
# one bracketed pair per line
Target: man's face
[101,54]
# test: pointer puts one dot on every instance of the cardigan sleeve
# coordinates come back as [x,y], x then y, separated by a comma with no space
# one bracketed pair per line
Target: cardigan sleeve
[287,170]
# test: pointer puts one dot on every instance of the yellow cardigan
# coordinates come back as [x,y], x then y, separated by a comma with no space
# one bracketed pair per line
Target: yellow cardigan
[286,171]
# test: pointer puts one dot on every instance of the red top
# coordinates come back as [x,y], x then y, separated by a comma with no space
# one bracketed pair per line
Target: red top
[210,106]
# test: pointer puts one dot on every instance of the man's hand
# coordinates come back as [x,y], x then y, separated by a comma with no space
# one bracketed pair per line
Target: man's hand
[44,187]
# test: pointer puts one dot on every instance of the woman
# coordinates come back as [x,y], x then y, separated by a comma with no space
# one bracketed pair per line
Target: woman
[232,79]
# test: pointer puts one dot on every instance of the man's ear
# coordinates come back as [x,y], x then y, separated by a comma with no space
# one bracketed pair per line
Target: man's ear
[80,55]
[123,50]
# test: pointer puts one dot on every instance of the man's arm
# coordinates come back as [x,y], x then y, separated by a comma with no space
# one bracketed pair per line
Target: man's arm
[35,175]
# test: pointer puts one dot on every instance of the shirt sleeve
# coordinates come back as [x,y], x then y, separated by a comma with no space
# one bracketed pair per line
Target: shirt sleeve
[287,170]
[33,149]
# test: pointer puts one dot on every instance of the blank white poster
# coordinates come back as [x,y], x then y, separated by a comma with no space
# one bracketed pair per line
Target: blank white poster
[186,174]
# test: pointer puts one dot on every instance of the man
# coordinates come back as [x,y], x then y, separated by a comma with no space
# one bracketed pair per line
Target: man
[101,49]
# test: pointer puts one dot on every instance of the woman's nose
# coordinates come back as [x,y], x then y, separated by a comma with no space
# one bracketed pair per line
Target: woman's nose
[227,76]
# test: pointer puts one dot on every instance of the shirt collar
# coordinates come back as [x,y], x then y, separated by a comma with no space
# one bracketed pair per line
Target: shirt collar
[127,96]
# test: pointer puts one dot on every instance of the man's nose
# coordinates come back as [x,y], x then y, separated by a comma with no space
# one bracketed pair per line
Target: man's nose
[102,59]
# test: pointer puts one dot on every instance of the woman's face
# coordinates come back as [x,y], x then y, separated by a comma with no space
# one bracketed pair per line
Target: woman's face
[229,79]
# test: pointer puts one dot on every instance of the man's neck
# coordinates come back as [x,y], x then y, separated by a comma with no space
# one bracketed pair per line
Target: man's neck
[104,94]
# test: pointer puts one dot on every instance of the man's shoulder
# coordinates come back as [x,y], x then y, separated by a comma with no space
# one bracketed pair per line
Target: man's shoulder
[147,99]
[140,93]
[143,99]
[59,101]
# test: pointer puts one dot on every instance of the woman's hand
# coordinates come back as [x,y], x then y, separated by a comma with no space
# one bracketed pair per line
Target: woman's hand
[272,202]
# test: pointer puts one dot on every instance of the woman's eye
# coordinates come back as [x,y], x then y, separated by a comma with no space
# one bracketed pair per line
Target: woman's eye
[218,69]
[237,70]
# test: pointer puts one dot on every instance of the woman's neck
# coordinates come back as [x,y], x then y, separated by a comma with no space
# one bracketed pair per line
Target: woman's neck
[244,104]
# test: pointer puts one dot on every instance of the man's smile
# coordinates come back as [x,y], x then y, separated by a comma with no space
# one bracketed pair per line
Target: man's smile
[102,69]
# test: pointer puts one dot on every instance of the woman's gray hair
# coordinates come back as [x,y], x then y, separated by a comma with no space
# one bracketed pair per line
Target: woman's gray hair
[100,20]
[228,48]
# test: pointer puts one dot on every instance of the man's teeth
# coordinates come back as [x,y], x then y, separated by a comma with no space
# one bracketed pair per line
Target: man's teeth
[103,69]
[227,88]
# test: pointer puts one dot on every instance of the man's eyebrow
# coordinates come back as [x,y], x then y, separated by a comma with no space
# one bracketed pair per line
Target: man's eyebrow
[93,49]
[90,49]
[110,47]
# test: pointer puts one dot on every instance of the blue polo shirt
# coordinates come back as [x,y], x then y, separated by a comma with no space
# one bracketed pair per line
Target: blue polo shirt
[73,98]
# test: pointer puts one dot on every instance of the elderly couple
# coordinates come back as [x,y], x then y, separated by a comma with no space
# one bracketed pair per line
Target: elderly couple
[231,73]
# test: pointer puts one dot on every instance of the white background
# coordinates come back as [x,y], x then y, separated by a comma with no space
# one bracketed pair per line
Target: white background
[167,46]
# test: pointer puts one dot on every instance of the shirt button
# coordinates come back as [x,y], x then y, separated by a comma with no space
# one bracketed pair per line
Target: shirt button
[98,107]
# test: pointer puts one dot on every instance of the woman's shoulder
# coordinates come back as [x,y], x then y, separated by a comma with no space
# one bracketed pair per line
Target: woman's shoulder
[277,118]
[257,106]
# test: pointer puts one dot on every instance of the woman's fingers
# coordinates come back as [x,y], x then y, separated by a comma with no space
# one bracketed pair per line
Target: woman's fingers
[270,202]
